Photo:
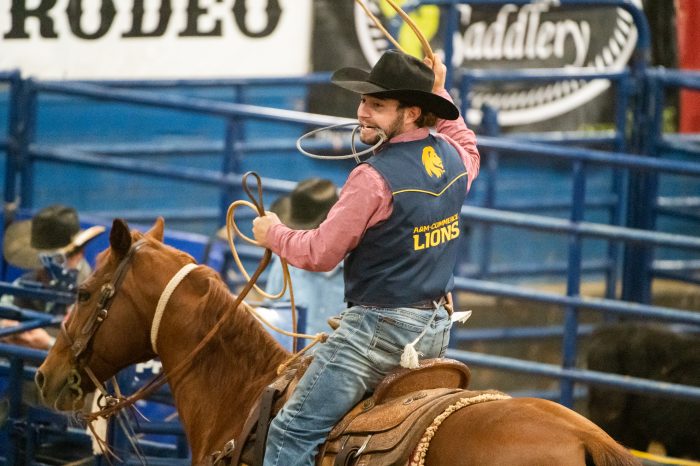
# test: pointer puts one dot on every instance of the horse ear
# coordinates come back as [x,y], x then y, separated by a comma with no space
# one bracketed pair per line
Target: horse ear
[156,230]
[120,237]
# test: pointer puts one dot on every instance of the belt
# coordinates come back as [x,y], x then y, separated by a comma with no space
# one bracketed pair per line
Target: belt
[426,304]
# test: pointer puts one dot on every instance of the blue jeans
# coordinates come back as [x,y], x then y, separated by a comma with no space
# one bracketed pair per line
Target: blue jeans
[351,363]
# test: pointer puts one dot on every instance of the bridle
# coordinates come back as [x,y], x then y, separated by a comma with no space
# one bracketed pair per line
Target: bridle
[81,343]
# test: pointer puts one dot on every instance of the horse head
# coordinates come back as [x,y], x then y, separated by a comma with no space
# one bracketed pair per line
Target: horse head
[108,327]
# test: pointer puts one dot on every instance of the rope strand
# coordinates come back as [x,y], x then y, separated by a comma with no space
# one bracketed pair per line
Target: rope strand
[427,50]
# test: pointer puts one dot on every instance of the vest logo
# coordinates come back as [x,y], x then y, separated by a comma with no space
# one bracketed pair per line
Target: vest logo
[432,162]
[435,234]
[538,34]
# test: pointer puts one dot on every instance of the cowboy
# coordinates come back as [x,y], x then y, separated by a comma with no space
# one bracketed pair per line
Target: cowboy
[398,222]
[320,293]
[52,231]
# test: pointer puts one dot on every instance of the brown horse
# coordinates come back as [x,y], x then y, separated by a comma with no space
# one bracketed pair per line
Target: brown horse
[220,386]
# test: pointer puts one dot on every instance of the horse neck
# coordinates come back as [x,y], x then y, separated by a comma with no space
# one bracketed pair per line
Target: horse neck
[214,395]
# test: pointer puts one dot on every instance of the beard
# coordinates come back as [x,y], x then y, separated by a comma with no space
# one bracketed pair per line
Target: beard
[370,134]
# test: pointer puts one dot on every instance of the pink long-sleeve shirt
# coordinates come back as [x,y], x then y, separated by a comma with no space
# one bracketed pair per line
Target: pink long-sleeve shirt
[365,200]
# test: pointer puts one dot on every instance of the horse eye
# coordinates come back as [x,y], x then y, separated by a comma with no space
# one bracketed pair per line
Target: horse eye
[83,296]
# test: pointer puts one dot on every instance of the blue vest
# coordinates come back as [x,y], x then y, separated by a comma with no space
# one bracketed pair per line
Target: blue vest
[410,257]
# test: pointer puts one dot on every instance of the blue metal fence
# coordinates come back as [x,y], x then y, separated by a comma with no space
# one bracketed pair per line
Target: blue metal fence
[575,228]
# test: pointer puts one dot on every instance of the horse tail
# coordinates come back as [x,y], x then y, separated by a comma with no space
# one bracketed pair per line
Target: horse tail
[605,451]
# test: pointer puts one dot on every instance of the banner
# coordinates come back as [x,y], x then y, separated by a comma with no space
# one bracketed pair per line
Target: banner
[689,48]
[508,36]
[155,39]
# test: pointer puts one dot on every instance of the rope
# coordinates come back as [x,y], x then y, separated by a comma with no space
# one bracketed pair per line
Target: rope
[264,321]
[379,25]
[354,155]
[231,229]
[427,50]
[163,301]
[422,448]
[161,379]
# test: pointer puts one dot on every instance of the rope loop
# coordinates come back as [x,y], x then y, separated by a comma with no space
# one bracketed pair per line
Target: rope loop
[355,155]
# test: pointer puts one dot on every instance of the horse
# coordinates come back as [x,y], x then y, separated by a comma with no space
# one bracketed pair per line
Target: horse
[110,328]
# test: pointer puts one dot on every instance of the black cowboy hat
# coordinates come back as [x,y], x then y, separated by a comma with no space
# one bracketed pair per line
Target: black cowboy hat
[53,229]
[306,207]
[398,76]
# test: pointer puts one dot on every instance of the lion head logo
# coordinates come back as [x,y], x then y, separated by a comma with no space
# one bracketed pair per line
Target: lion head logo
[432,162]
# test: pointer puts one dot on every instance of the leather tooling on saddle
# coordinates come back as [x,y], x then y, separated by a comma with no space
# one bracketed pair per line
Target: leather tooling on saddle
[380,430]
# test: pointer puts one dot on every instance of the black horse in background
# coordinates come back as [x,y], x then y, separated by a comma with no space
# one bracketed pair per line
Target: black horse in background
[652,352]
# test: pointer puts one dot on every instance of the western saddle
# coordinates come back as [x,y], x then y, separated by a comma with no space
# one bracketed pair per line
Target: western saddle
[381,430]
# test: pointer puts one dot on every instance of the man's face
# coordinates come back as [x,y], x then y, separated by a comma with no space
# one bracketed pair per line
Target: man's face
[374,113]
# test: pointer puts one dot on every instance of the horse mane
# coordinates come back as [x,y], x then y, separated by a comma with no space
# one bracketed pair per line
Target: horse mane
[242,350]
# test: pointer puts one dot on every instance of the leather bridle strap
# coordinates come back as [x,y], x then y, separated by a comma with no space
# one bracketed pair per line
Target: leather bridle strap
[163,301]
[107,293]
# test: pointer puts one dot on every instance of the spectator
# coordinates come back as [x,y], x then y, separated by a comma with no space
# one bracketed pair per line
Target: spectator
[52,230]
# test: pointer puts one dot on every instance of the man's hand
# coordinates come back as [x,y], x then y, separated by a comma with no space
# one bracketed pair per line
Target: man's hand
[37,338]
[440,71]
[261,225]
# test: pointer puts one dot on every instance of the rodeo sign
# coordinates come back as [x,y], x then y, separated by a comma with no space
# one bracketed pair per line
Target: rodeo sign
[145,39]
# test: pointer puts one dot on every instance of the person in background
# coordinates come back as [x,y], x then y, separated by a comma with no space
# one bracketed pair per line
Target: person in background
[320,293]
[53,230]
[396,226]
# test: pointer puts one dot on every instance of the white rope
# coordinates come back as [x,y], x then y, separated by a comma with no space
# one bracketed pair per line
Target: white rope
[409,357]
[163,301]
[355,155]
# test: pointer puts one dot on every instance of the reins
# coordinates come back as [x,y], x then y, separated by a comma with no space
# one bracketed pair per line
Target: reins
[114,404]
[161,378]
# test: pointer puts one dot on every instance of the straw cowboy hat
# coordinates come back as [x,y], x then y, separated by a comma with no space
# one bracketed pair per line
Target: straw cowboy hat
[306,207]
[398,76]
[54,229]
